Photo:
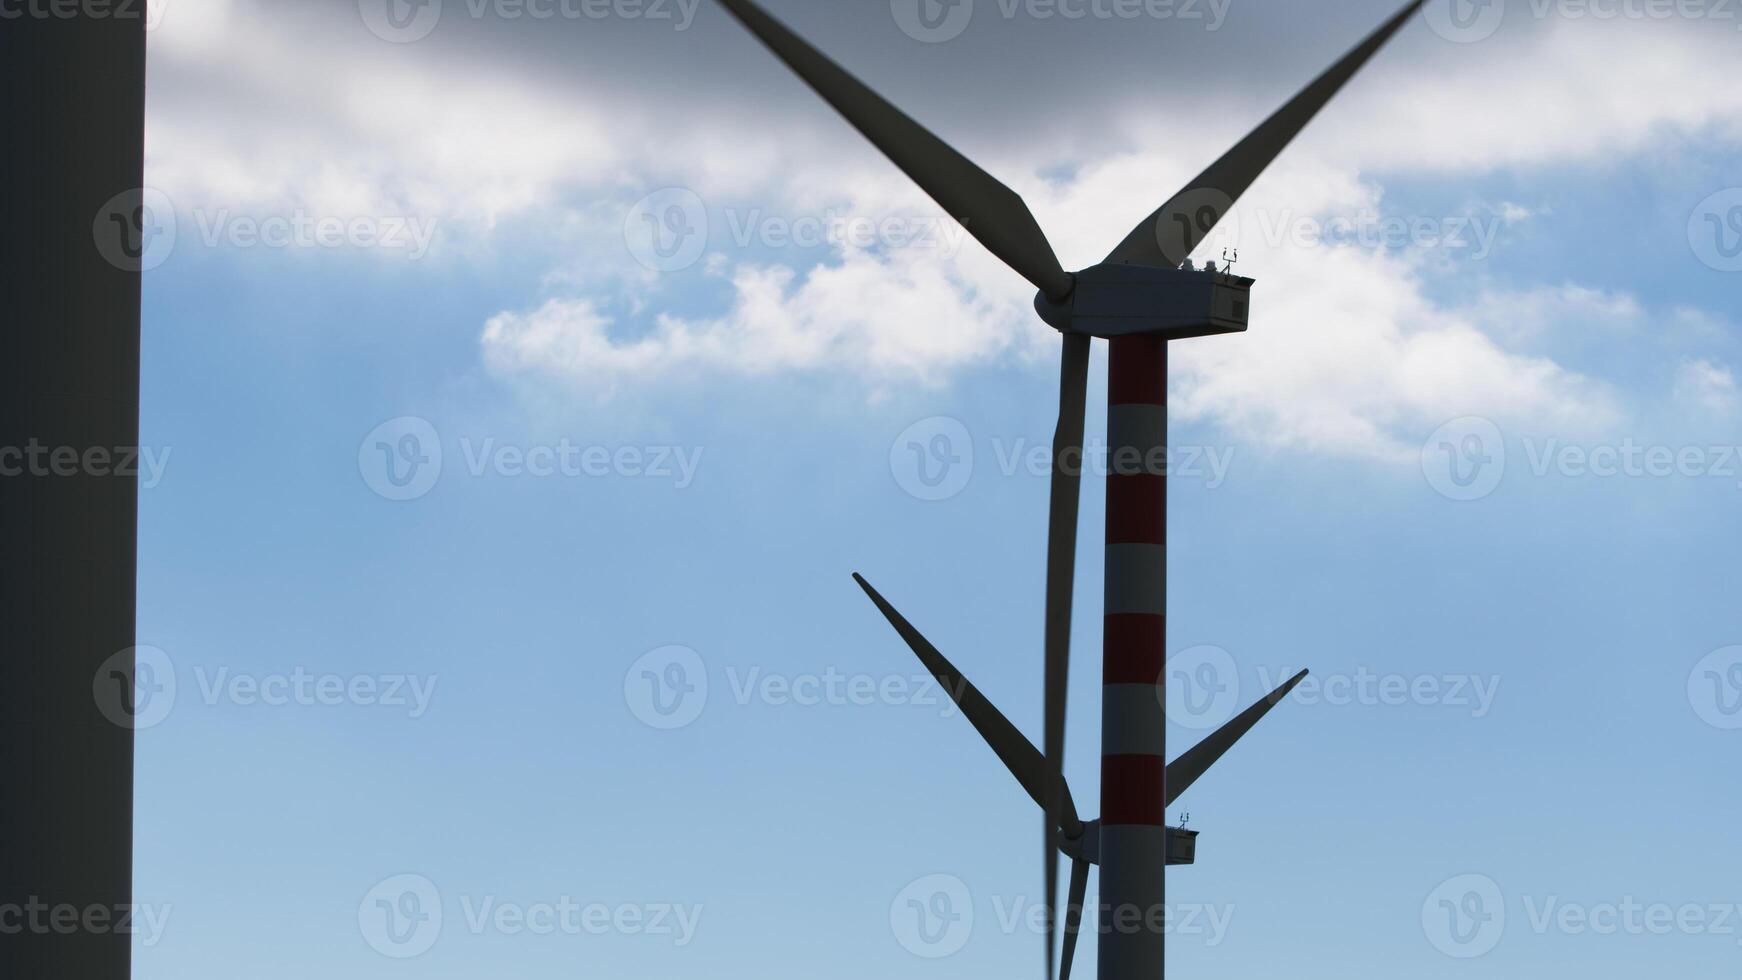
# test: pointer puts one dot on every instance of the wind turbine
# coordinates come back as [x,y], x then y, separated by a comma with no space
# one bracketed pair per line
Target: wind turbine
[1138,299]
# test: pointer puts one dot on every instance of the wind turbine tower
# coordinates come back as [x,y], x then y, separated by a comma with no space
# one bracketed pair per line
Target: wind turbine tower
[1142,296]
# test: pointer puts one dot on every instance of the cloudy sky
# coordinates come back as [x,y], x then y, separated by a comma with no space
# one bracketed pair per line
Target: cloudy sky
[527,377]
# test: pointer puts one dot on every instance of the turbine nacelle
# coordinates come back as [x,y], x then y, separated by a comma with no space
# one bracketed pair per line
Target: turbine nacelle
[1182,845]
[1119,300]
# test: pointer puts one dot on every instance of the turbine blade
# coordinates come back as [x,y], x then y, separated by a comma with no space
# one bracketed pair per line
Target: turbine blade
[1074,915]
[1016,752]
[990,211]
[1167,238]
[1185,770]
[1061,570]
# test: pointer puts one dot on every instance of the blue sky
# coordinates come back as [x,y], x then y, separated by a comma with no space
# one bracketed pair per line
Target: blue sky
[1527,686]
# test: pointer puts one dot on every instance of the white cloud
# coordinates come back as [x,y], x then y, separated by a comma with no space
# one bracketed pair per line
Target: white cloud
[1349,354]
[1573,91]
[1707,389]
[881,317]
[251,113]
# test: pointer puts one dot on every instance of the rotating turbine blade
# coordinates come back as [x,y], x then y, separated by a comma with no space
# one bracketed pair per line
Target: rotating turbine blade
[990,211]
[1167,238]
[1185,770]
[1061,569]
[1016,752]
[1074,915]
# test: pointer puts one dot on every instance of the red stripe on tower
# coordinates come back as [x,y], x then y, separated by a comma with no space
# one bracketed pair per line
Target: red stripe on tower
[1130,790]
[1133,647]
[1137,371]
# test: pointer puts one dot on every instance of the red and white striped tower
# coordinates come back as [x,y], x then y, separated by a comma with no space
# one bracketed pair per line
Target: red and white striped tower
[1133,841]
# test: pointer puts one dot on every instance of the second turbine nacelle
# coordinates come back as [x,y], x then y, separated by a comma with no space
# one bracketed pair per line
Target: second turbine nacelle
[1123,300]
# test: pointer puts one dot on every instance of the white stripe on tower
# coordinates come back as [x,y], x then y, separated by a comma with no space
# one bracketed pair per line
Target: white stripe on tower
[1133,727]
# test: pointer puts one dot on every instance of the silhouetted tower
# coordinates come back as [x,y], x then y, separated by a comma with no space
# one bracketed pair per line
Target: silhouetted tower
[74,125]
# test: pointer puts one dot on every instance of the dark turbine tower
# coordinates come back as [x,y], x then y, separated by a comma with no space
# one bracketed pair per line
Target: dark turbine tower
[74,124]
[1141,296]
